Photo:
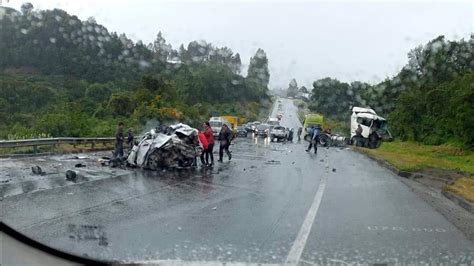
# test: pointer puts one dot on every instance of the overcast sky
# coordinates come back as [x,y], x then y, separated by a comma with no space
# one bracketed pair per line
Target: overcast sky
[348,40]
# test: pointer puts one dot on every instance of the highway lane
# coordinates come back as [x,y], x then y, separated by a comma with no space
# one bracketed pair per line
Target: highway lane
[273,203]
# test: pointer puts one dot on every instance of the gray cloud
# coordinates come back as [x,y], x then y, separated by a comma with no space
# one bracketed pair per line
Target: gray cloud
[303,40]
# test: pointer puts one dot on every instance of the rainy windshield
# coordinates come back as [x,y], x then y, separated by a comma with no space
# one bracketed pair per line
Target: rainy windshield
[236,132]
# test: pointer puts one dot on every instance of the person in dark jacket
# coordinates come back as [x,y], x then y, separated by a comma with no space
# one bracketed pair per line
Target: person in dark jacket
[210,143]
[130,138]
[119,139]
[300,130]
[314,134]
[225,137]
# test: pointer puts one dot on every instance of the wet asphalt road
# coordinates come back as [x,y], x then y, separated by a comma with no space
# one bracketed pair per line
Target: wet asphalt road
[272,203]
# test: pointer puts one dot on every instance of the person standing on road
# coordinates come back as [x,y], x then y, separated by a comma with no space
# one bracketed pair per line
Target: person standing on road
[300,130]
[119,139]
[205,146]
[130,138]
[210,143]
[225,137]
[314,138]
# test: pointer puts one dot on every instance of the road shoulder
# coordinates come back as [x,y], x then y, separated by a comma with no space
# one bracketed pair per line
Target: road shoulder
[453,207]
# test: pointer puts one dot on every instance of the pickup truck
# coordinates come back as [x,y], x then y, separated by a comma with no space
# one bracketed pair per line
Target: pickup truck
[279,133]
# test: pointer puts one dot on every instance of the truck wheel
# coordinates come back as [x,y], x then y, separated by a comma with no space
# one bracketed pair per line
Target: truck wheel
[323,140]
[373,141]
[351,141]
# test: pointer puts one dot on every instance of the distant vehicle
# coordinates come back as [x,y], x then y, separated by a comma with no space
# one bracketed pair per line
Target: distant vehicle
[248,127]
[279,116]
[273,121]
[233,121]
[217,123]
[254,125]
[278,133]
[374,128]
[316,120]
[241,131]
[262,130]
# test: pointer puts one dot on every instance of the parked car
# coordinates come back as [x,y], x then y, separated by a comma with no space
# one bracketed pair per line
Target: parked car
[241,132]
[248,127]
[262,130]
[278,133]
[254,125]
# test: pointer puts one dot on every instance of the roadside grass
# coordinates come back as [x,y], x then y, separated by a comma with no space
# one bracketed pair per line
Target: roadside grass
[464,187]
[413,156]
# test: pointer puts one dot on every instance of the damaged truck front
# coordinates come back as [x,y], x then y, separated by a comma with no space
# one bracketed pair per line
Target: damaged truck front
[368,129]
[173,146]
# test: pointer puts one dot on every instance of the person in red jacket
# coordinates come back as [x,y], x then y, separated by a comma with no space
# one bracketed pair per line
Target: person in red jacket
[210,144]
[204,144]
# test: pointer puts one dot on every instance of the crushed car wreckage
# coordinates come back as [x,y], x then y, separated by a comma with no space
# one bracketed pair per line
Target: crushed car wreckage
[173,146]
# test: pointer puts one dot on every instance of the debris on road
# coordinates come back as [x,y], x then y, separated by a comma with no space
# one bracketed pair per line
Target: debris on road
[273,162]
[37,170]
[71,175]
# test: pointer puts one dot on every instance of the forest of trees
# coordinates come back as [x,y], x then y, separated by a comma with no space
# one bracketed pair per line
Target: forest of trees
[430,100]
[60,76]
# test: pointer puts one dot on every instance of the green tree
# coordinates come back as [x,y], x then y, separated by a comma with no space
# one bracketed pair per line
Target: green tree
[121,104]
[292,88]
[26,8]
[258,69]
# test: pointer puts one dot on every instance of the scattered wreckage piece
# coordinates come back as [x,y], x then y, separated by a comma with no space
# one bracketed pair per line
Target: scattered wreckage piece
[37,170]
[174,146]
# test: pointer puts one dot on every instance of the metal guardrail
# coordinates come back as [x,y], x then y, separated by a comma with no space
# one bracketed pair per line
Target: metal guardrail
[53,141]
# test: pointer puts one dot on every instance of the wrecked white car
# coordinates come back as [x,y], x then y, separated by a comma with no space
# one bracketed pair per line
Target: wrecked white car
[174,146]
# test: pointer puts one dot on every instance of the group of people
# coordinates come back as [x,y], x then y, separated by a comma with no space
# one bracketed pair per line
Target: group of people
[206,138]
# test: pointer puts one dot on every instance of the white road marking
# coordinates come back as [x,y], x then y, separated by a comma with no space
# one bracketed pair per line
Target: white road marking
[298,246]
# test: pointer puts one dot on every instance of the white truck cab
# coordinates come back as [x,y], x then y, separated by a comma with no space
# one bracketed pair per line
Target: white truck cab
[374,127]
